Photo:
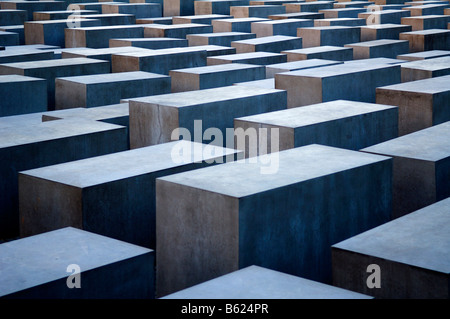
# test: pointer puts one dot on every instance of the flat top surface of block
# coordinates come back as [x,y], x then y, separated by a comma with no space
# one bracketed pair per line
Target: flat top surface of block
[264,40]
[52,63]
[430,144]
[317,113]
[429,64]
[324,48]
[339,69]
[39,259]
[17,78]
[248,55]
[234,20]
[147,52]
[428,32]
[429,86]
[97,113]
[384,26]
[20,135]
[190,98]
[375,61]
[218,34]
[116,166]
[418,239]
[425,54]
[374,43]
[244,178]
[255,282]
[303,64]
[176,26]
[218,68]
[266,83]
[282,21]
[113,77]
[329,28]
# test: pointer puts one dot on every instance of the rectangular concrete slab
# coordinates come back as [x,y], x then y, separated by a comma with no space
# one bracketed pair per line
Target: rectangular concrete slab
[427,40]
[421,171]
[286,27]
[179,31]
[411,251]
[218,38]
[326,52]
[427,22]
[425,69]
[275,44]
[259,58]
[149,43]
[39,267]
[329,36]
[273,69]
[425,55]
[241,207]
[236,24]
[217,6]
[385,48]
[259,11]
[383,31]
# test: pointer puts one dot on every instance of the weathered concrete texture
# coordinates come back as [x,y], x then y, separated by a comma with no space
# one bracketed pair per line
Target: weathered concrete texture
[421,171]
[344,124]
[200,19]
[312,200]
[346,22]
[342,12]
[235,25]
[255,282]
[384,16]
[260,11]
[104,89]
[326,52]
[218,38]
[424,55]
[32,6]
[309,6]
[427,22]
[98,37]
[383,31]
[52,69]
[12,17]
[259,58]
[329,36]
[426,40]
[52,31]
[22,94]
[379,48]
[112,195]
[139,10]
[425,69]
[179,31]
[344,81]
[412,253]
[214,76]
[178,8]
[422,103]
[38,267]
[217,6]
[30,146]
[274,44]
[159,61]
[154,119]
[286,27]
[149,43]
[273,69]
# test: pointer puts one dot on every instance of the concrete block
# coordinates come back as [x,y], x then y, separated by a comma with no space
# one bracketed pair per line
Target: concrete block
[99,54]
[384,16]
[98,37]
[19,29]
[217,6]
[39,267]
[422,103]
[427,22]
[241,224]
[265,84]
[162,20]
[199,19]
[259,58]
[153,119]
[22,94]
[297,15]
[425,69]
[428,9]
[32,6]
[273,69]
[326,52]
[421,171]
[373,61]
[352,4]
[383,31]
[159,61]
[270,2]
[235,25]
[256,282]
[149,43]
[348,22]
[426,40]
[179,31]
[12,17]
[221,38]
[52,31]
[207,77]
[274,44]
[26,147]
[342,12]
[178,8]
[59,15]
[424,55]
[105,89]
[409,251]
[379,48]
[52,69]
[9,56]
[115,192]
[287,27]
[344,81]
[344,124]
[256,11]
[215,50]
[111,19]
[9,38]
[329,36]
[139,10]
[310,6]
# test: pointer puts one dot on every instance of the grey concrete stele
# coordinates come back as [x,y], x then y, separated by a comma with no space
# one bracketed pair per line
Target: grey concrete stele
[111,195]
[25,147]
[154,119]
[421,167]
[385,48]
[281,211]
[274,44]
[273,69]
[258,58]
[327,52]
[39,267]
[425,69]
[256,282]
[411,252]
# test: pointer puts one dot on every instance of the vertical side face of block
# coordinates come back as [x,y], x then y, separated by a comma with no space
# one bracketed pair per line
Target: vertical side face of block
[124,63]
[182,81]
[301,90]
[75,38]
[69,94]
[442,171]
[151,124]
[216,221]
[45,205]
